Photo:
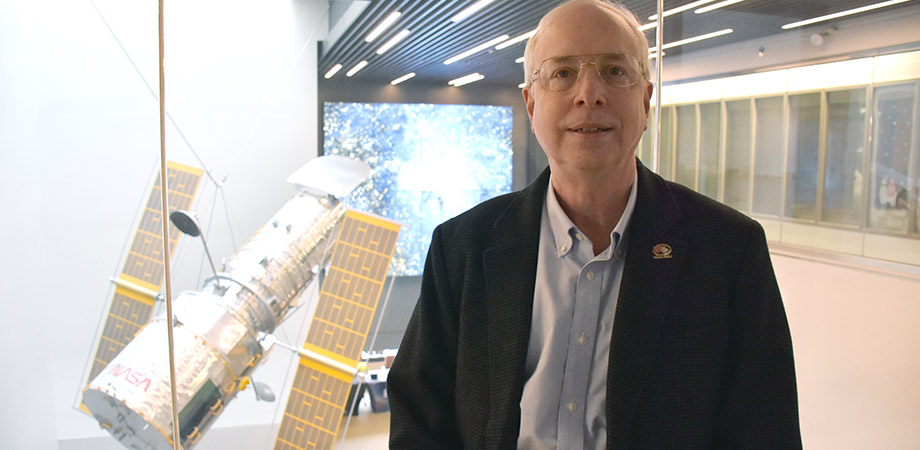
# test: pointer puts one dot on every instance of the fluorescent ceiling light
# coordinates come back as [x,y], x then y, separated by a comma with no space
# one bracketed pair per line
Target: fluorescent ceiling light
[519,60]
[681,9]
[383,48]
[716,6]
[694,39]
[522,85]
[520,38]
[356,68]
[382,26]
[470,10]
[648,26]
[476,49]
[841,14]
[332,71]
[402,78]
[466,80]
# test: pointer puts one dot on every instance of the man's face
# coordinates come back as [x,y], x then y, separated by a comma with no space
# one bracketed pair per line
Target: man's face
[591,126]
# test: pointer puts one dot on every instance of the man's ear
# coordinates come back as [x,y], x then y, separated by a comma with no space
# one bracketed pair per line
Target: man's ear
[528,101]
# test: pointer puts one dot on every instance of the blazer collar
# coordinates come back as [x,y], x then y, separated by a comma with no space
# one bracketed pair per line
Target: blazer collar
[509,266]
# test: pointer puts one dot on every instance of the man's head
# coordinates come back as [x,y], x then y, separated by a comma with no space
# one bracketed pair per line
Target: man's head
[587,91]
[614,8]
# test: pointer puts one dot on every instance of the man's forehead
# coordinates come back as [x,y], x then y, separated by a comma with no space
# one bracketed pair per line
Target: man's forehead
[585,29]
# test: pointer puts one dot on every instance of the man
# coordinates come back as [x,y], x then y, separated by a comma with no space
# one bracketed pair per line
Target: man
[602,306]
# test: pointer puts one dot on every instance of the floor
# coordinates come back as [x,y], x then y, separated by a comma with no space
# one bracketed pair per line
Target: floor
[367,430]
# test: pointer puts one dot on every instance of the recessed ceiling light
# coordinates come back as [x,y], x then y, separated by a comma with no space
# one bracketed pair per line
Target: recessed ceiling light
[469,11]
[332,71]
[466,79]
[379,29]
[841,14]
[681,9]
[476,49]
[402,78]
[716,6]
[356,68]
[383,48]
[520,38]
[694,39]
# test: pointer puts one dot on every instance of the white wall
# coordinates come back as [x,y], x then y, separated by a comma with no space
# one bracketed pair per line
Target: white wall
[857,352]
[79,143]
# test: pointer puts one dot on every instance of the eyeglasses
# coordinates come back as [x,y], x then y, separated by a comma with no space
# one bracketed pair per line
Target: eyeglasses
[562,72]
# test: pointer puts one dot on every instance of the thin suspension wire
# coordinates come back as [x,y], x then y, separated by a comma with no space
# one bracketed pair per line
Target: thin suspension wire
[659,36]
[153,93]
[164,210]
[271,101]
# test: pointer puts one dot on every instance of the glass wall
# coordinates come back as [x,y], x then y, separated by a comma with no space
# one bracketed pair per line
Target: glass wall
[841,155]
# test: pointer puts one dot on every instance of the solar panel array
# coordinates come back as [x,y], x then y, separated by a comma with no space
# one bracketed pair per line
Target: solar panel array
[131,309]
[344,312]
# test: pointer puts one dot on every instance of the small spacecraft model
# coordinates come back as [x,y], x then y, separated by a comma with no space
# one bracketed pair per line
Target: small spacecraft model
[222,331]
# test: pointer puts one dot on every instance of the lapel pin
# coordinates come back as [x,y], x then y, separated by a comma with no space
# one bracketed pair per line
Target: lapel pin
[661,251]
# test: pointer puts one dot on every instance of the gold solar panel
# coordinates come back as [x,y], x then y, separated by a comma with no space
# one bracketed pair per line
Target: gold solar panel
[130,309]
[344,312]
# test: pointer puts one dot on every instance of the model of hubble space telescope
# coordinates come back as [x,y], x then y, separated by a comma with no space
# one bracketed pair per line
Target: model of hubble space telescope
[222,331]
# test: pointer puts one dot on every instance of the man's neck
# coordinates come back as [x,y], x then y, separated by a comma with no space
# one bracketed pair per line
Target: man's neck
[594,204]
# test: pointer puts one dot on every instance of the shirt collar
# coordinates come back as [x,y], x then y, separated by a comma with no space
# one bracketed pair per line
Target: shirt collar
[564,230]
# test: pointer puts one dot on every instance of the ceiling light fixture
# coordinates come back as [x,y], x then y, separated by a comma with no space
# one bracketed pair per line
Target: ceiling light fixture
[680,9]
[466,79]
[356,68]
[376,32]
[402,78]
[470,10]
[520,38]
[335,69]
[519,60]
[694,39]
[648,26]
[841,14]
[706,9]
[383,48]
[476,49]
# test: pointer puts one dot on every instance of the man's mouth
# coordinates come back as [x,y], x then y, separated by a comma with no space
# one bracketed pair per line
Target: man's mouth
[589,130]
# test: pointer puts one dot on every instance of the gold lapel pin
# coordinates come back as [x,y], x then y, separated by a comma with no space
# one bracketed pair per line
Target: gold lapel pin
[661,251]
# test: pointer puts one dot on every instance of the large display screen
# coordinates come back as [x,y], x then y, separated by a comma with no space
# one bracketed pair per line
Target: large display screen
[428,163]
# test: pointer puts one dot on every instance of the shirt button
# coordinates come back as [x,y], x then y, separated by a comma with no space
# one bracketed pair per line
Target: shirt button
[582,340]
[590,275]
[563,249]
[572,406]
[579,236]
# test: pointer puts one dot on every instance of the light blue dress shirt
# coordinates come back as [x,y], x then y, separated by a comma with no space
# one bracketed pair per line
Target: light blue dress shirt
[563,404]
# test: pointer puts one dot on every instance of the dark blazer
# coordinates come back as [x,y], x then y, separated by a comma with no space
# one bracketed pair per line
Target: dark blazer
[700,356]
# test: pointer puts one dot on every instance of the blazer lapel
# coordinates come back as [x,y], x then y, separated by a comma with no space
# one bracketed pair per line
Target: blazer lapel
[510,274]
[649,276]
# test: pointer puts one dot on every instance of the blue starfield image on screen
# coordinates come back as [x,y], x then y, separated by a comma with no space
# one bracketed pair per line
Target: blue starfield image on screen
[428,163]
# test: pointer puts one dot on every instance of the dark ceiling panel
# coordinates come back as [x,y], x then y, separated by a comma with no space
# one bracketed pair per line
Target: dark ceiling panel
[434,38]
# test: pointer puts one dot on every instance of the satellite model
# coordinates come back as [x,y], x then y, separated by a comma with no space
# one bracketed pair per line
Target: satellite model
[222,331]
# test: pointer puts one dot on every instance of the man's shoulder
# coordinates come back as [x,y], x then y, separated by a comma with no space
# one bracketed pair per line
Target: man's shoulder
[482,216]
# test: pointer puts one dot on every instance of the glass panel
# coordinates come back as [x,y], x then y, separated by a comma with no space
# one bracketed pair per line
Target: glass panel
[666,162]
[804,129]
[686,146]
[843,170]
[738,154]
[768,156]
[710,149]
[891,137]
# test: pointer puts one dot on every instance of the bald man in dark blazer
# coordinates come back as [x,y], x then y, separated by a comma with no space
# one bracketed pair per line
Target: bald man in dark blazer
[699,354]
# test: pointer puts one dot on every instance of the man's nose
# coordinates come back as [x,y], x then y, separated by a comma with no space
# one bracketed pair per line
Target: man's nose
[589,88]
